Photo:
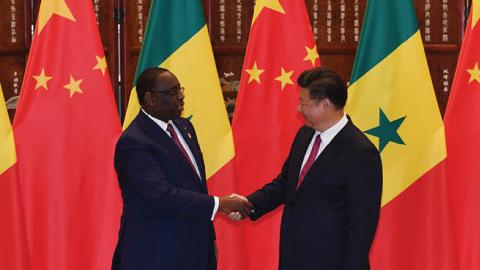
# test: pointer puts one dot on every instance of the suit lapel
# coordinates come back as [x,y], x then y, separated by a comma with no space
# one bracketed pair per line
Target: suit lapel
[297,157]
[188,136]
[329,154]
[164,141]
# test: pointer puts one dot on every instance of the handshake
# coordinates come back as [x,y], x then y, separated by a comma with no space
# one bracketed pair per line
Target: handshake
[235,206]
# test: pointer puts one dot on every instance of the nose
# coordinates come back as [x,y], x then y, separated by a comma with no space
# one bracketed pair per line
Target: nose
[299,108]
[181,96]
[180,99]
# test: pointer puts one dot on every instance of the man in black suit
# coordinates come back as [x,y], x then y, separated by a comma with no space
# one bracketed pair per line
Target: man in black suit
[167,212]
[330,184]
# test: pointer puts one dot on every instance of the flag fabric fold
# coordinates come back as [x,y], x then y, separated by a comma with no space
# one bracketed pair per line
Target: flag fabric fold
[66,127]
[462,128]
[392,99]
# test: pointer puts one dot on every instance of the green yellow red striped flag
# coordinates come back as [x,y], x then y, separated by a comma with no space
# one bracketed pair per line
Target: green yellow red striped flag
[392,99]
[391,95]
[177,39]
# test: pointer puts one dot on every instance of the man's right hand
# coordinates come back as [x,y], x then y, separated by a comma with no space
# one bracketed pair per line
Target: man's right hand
[235,203]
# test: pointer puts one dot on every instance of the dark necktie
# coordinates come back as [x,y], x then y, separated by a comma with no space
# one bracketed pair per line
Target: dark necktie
[175,139]
[310,160]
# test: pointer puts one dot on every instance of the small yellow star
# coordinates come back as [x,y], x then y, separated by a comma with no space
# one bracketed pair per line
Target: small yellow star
[254,73]
[475,12]
[271,4]
[312,54]
[48,8]
[74,86]
[285,78]
[42,80]
[101,64]
[474,74]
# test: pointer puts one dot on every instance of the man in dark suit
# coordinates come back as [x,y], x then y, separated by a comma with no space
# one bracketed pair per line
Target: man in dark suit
[167,212]
[330,184]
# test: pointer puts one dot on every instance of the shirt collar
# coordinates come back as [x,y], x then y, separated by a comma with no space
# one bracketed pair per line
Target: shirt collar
[159,122]
[328,135]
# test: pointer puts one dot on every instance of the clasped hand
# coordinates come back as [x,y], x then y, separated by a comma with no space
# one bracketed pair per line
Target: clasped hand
[235,206]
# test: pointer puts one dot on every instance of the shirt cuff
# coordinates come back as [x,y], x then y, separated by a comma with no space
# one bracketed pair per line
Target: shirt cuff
[215,208]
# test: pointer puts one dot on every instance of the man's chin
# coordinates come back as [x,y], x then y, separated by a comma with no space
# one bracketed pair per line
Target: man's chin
[308,124]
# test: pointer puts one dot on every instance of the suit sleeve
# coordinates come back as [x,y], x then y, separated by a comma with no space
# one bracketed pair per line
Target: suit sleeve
[274,193]
[269,196]
[137,169]
[364,189]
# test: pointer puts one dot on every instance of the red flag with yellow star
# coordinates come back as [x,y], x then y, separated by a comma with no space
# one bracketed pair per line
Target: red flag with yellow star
[462,130]
[65,128]
[280,47]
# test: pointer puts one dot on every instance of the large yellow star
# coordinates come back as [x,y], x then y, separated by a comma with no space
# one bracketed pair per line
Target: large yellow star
[42,80]
[474,74]
[271,4]
[285,78]
[74,86]
[101,64]
[312,54]
[475,12]
[254,73]
[48,8]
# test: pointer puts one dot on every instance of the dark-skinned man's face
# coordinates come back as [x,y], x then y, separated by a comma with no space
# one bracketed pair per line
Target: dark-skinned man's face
[165,101]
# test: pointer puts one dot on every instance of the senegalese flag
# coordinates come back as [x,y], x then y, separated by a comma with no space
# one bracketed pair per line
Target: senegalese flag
[13,240]
[177,39]
[392,99]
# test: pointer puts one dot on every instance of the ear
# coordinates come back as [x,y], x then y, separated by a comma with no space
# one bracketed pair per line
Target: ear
[327,104]
[148,99]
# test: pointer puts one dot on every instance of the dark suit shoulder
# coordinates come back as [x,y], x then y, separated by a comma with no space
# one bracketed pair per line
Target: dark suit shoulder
[131,138]
[359,141]
[304,131]
[135,134]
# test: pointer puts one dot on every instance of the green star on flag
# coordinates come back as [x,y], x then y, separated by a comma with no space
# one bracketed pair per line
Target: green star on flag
[387,131]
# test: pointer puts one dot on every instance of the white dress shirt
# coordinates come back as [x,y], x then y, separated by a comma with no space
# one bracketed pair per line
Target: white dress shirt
[164,125]
[326,136]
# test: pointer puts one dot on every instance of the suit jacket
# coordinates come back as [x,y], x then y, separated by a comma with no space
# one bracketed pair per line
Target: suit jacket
[166,221]
[330,221]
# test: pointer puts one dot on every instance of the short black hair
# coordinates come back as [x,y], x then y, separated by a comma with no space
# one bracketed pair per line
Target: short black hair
[324,83]
[148,81]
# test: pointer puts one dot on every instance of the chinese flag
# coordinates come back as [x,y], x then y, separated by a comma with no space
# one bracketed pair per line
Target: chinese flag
[65,128]
[280,47]
[462,127]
